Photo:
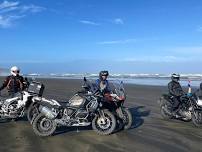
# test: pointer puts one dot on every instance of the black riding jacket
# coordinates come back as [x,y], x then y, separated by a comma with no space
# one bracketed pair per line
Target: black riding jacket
[175,89]
[13,84]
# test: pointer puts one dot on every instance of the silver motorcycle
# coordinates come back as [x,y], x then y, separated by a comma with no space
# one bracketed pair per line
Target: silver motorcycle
[16,106]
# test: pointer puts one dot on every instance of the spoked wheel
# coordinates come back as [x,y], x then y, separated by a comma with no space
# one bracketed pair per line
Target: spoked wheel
[32,112]
[197,118]
[127,118]
[165,112]
[43,126]
[104,125]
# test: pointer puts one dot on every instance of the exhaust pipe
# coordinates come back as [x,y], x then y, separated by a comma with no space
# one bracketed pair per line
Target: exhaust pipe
[47,112]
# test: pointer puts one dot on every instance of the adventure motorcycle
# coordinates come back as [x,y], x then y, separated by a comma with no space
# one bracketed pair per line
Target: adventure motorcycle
[83,109]
[17,105]
[190,108]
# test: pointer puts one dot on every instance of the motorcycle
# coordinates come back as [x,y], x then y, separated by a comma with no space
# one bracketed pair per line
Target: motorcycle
[114,101]
[16,106]
[190,108]
[83,109]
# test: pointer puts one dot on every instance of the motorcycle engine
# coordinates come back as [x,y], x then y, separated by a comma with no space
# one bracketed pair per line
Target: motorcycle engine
[68,112]
[185,114]
[13,109]
[82,114]
[10,108]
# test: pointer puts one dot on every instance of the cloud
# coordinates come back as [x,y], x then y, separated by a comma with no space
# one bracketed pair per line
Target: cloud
[7,21]
[158,59]
[12,11]
[187,55]
[89,22]
[32,8]
[7,4]
[118,41]
[188,51]
[4,22]
[118,21]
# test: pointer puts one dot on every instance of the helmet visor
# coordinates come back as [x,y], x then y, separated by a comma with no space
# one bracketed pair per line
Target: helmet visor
[17,71]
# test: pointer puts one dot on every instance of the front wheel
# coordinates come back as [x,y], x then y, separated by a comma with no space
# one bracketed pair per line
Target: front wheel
[43,126]
[32,112]
[127,118]
[104,125]
[197,118]
[165,112]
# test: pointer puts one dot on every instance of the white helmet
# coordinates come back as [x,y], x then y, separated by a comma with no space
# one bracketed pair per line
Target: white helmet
[175,77]
[15,70]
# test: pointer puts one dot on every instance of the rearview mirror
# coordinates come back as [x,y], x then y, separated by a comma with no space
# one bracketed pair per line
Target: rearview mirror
[84,79]
[29,79]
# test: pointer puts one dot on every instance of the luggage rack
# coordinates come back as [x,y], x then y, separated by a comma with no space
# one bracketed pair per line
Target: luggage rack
[36,88]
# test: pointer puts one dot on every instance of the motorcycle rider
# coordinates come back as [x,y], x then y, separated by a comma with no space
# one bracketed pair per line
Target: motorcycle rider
[14,83]
[102,83]
[176,91]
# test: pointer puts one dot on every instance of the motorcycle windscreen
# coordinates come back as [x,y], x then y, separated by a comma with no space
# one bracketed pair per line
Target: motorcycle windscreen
[117,88]
[91,85]
[77,101]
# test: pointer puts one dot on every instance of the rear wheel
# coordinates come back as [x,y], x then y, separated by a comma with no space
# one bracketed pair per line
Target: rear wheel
[43,126]
[104,125]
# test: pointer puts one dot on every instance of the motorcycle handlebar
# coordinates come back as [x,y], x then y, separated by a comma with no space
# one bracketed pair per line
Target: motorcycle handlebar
[190,94]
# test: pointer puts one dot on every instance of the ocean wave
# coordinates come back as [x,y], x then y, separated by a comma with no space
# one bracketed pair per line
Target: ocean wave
[128,76]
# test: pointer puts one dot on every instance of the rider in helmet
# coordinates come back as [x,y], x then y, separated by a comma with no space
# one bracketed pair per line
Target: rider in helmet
[176,91]
[14,83]
[102,83]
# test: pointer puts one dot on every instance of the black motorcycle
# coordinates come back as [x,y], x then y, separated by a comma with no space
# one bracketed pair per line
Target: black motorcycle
[83,109]
[190,108]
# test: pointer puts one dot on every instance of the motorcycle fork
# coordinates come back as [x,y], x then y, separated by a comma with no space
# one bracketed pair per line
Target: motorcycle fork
[119,111]
[101,113]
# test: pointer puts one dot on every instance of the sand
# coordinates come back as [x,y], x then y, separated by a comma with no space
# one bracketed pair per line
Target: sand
[149,132]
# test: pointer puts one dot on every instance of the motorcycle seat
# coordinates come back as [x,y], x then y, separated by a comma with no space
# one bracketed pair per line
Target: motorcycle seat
[10,97]
[64,104]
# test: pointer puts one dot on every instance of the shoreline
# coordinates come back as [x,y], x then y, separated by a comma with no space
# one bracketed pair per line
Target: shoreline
[140,82]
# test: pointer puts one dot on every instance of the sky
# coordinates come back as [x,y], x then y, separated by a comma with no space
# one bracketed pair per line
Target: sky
[85,36]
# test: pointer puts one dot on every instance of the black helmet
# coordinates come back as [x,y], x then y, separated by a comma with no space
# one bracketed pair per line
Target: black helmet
[103,73]
[175,77]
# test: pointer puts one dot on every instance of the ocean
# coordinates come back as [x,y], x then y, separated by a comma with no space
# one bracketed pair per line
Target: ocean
[139,79]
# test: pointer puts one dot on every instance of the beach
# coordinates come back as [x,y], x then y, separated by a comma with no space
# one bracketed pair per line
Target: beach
[149,131]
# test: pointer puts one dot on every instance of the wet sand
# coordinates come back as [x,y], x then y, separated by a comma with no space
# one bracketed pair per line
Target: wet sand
[149,132]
